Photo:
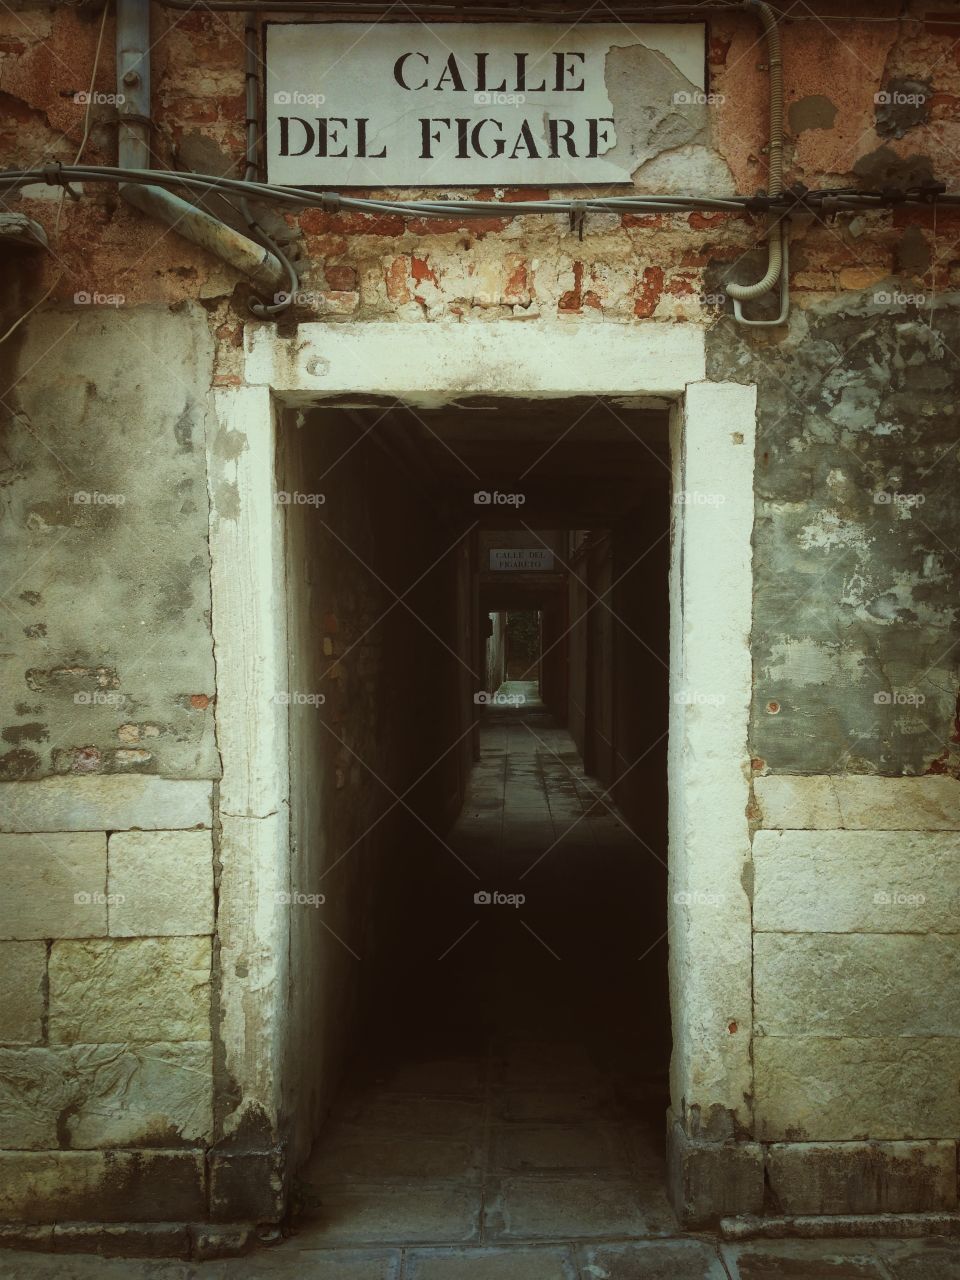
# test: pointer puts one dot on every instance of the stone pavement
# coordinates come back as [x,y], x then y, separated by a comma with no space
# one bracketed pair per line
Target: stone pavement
[510,1126]
[685,1258]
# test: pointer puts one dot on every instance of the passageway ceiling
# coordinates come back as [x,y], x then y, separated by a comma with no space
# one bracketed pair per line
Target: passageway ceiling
[576,463]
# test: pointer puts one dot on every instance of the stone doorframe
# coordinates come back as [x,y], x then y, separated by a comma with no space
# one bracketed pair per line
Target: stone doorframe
[713,437]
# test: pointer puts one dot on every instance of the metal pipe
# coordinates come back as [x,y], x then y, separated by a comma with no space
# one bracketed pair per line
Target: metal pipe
[776,230]
[416,12]
[781,318]
[282,301]
[133,145]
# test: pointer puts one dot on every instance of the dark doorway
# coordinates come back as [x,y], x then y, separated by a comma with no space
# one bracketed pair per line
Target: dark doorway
[501,1063]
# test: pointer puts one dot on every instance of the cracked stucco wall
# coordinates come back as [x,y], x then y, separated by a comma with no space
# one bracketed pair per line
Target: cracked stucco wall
[856,626]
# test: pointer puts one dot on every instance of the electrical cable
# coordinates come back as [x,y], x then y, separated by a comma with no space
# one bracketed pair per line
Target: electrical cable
[417,11]
[828,200]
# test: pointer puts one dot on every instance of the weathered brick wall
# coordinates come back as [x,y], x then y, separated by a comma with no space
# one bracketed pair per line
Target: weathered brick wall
[854,596]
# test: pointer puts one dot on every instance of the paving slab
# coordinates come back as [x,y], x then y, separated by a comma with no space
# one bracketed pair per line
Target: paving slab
[558,1209]
[343,1264]
[651,1260]
[490,1264]
[381,1213]
[929,1259]
[804,1260]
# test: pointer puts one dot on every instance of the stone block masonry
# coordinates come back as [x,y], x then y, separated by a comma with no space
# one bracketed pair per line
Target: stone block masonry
[856,890]
[106,1048]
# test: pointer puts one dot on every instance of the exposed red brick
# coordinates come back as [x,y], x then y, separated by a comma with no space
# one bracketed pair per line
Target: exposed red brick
[517,285]
[231,334]
[232,107]
[200,700]
[420,269]
[650,290]
[455,226]
[701,221]
[341,277]
[641,219]
[396,276]
[316,222]
[572,300]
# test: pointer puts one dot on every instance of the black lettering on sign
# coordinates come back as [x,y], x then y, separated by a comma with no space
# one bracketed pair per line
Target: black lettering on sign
[563,70]
[327,136]
[596,135]
[399,71]
[451,71]
[525,138]
[476,139]
[285,122]
[482,77]
[362,152]
[561,131]
[522,86]
[428,137]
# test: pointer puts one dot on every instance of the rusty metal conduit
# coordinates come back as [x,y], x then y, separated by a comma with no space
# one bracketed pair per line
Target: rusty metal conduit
[254,259]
